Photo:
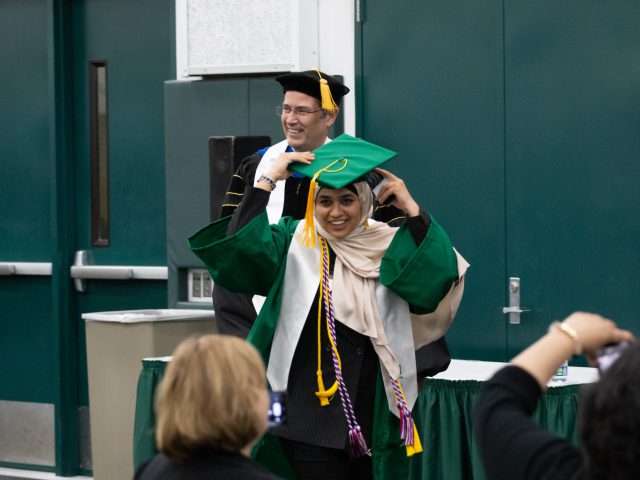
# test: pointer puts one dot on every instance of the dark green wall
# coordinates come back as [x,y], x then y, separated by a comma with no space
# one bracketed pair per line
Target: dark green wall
[517,125]
[195,111]
[136,40]
[26,328]
[24,136]
[45,194]
[572,143]
[434,95]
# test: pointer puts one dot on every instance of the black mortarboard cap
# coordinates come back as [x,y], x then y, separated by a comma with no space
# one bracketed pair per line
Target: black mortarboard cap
[316,84]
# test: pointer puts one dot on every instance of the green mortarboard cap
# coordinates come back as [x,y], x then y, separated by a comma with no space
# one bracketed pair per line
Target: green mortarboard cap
[343,161]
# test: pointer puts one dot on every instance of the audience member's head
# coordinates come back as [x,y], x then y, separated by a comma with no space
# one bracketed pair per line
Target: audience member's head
[213,398]
[610,420]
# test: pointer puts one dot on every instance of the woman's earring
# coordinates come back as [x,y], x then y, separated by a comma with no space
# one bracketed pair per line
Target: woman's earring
[366,223]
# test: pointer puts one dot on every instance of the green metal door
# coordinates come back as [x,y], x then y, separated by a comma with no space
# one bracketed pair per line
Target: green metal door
[122,55]
[572,138]
[46,196]
[27,332]
[517,126]
[431,90]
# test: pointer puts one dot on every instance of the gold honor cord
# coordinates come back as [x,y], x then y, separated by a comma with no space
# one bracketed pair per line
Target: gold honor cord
[322,394]
[308,232]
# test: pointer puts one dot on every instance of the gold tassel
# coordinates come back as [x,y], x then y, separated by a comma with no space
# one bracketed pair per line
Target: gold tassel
[308,237]
[309,229]
[325,94]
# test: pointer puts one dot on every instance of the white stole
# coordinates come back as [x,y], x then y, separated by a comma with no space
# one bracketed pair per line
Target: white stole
[301,280]
[276,199]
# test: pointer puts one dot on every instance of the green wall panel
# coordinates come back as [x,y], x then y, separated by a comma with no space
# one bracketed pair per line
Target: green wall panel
[434,94]
[573,143]
[24,136]
[195,111]
[26,349]
[140,58]
[517,123]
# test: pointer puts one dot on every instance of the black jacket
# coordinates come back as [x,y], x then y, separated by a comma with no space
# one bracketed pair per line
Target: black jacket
[218,465]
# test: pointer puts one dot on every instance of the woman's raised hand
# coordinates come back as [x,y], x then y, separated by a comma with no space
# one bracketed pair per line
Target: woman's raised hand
[402,198]
[594,332]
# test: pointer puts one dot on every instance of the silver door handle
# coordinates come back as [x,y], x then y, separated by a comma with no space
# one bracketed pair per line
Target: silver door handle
[81,271]
[514,309]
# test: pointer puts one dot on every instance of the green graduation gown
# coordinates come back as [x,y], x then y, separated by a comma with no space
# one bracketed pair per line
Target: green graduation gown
[254,261]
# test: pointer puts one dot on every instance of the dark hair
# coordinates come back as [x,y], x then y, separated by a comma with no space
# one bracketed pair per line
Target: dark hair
[610,421]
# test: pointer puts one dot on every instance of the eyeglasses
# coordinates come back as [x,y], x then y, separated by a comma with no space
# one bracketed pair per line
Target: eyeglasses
[298,112]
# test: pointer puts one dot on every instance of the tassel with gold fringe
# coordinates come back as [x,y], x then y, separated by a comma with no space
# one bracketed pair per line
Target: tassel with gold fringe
[309,230]
[328,103]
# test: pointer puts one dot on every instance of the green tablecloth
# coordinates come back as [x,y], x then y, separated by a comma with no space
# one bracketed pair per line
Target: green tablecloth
[442,416]
[144,444]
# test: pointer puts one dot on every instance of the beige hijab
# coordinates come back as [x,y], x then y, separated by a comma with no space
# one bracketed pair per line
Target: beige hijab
[356,274]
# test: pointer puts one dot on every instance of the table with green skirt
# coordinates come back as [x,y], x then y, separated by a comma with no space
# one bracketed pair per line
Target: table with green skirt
[442,415]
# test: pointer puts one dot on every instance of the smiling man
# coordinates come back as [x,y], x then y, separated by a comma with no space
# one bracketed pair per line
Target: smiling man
[308,111]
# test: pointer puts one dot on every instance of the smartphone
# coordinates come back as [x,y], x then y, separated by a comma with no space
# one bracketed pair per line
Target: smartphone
[277,409]
[608,354]
[377,188]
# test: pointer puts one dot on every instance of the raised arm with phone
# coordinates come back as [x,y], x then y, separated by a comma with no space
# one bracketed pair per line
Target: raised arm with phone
[514,447]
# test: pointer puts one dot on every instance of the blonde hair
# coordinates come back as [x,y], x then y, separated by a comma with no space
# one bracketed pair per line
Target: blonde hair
[207,398]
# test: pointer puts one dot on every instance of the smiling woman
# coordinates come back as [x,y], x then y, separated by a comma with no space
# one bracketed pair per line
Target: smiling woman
[339,317]
[338,211]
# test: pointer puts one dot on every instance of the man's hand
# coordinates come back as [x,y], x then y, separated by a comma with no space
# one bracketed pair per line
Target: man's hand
[280,169]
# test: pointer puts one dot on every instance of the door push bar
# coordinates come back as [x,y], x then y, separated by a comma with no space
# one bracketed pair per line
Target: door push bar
[514,310]
[25,268]
[81,271]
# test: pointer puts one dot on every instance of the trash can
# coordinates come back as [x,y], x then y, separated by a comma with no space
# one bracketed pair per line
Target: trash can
[116,344]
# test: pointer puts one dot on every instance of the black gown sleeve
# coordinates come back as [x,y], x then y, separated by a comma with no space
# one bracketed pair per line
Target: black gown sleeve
[235,312]
[241,179]
[254,203]
[419,226]
[512,445]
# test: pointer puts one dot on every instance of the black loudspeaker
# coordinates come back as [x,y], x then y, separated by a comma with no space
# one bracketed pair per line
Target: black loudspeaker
[225,154]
